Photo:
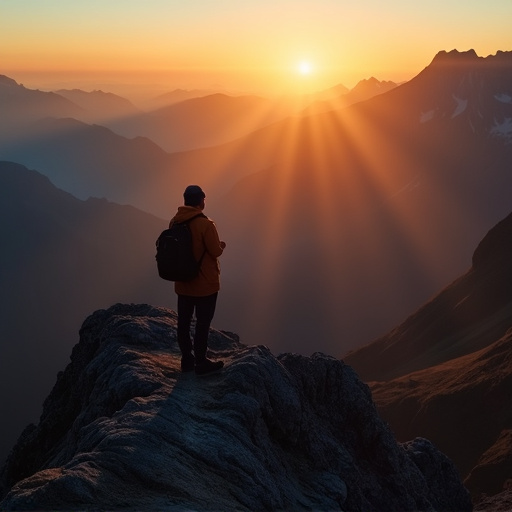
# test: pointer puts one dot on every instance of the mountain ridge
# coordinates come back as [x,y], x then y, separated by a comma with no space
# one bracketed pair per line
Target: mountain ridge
[99,105]
[123,428]
[481,296]
[204,121]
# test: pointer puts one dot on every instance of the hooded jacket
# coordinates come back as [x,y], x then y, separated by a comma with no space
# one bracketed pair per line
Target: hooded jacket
[205,240]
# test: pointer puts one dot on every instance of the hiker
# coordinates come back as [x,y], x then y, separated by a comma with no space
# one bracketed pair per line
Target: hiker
[199,294]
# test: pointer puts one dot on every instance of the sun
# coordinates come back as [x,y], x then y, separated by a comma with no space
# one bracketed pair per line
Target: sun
[305,67]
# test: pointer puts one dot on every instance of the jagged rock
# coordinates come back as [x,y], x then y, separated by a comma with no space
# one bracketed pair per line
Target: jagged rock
[124,429]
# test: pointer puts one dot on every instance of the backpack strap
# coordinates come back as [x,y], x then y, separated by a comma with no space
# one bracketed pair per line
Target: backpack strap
[186,222]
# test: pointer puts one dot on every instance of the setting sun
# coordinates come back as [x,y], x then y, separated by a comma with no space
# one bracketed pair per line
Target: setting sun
[305,68]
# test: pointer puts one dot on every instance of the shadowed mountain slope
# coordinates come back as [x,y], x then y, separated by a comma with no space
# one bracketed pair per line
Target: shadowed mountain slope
[463,406]
[460,344]
[60,259]
[124,429]
[470,314]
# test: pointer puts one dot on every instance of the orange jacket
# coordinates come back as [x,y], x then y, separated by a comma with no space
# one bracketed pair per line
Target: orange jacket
[205,239]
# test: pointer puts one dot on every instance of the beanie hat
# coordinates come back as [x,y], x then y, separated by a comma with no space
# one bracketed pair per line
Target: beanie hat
[193,195]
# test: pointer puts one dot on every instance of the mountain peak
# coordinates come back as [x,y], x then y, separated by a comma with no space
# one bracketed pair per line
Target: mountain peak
[496,247]
[470,57]
[455,54]
[372,84]
[9,82]
[123,427]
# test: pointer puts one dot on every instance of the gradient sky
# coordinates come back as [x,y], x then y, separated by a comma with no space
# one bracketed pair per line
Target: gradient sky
[241,45]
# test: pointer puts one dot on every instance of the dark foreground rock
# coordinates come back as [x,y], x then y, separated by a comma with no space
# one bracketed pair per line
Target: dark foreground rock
[124,429]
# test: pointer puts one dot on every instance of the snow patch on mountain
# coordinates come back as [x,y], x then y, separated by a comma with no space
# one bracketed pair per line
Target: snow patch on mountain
[461,106]
[503,98]
[503,128]
[427,116]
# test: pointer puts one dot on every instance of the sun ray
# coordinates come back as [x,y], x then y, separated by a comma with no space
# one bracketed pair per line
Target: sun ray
[321,195]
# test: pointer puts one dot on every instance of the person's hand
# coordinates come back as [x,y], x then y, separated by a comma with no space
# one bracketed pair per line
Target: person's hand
[223,245]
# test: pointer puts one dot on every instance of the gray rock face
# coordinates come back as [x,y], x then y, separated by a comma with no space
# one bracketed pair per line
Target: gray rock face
[123,428]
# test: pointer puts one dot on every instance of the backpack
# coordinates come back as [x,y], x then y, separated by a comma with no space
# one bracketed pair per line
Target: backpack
[174,256]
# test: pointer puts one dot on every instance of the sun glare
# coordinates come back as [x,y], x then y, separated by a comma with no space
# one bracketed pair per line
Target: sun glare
[305,68]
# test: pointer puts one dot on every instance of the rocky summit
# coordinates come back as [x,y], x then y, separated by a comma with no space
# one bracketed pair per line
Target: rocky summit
[125,429]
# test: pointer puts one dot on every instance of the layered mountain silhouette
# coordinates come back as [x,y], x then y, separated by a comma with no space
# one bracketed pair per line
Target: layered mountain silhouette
[20,106]
[123,428]
[212,119]
[178,95]
[446,372]
[61,259]
[376,206]
[204,121]
[100,106]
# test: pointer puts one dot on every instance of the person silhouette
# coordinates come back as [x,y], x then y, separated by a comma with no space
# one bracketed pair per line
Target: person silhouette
[198,295]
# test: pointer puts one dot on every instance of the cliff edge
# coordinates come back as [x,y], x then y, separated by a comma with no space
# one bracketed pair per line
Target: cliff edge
[123,428]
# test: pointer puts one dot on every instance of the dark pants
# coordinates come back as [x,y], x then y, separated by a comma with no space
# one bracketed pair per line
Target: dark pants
[205,309]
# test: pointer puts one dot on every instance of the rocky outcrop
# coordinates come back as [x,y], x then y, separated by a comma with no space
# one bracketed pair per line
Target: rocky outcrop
[463,406]
[123,428]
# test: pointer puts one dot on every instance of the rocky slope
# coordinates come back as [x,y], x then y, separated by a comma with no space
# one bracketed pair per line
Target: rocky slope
[124,429]
[463,406]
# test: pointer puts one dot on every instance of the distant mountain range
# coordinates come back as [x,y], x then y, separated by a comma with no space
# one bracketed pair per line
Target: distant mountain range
[100,106]
[180,120]
[409,180]
[20,106]
[178,95]
[364,90]
[204,121]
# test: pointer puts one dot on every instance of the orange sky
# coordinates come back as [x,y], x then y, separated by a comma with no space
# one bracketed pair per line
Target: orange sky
[240,45]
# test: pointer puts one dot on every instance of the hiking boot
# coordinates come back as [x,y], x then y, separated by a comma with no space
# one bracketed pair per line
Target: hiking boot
[206,367]
[188,363]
